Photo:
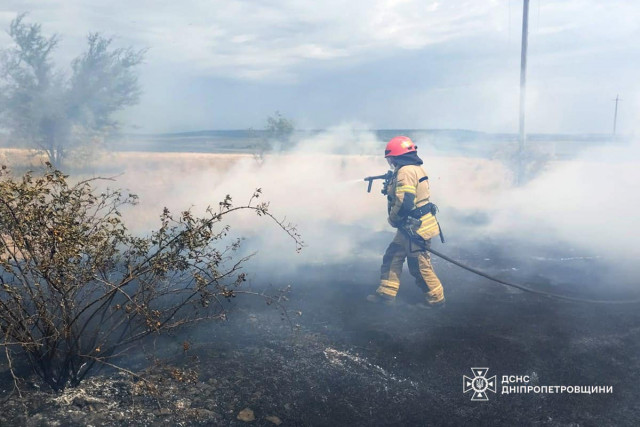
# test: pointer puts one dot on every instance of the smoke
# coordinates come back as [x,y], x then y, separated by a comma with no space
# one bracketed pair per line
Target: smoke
[318,186]
[586,204]
[590,202]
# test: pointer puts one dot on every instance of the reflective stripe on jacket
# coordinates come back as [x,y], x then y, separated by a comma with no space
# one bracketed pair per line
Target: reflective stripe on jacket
[406,192]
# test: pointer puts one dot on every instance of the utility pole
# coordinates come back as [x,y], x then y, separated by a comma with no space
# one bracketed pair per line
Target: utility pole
[615,116]
[523,87]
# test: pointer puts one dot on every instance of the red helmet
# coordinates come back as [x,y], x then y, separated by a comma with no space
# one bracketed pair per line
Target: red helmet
[398,146]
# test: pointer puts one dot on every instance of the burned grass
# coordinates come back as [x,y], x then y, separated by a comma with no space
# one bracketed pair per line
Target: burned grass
[348,362]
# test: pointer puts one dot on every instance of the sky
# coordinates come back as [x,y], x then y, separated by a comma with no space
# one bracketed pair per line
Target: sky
[378,64]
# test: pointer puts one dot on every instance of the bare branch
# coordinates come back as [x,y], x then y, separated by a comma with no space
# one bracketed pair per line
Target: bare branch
[77,289]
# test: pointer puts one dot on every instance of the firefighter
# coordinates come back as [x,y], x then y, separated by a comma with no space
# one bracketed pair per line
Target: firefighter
[408,202]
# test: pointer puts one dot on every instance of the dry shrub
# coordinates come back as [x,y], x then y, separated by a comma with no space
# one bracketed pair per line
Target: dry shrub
[77,289]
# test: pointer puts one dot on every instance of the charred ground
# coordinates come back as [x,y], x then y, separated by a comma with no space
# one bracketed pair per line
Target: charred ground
[347,362]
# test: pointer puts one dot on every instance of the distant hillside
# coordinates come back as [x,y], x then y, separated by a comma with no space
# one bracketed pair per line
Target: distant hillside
[449,141]
[453,141]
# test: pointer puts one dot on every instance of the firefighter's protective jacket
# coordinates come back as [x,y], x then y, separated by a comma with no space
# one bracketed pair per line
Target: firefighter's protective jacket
[407,190]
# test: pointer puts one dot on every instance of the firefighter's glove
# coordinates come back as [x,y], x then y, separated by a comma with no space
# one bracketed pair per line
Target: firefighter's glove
[397,223]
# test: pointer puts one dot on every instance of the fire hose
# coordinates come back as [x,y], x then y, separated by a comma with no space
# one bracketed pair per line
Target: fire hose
[387,179]
[525,289]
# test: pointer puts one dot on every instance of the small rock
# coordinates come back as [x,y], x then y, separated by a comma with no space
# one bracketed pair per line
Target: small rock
[246,415]
[275,420]
[287,406]
[183,403]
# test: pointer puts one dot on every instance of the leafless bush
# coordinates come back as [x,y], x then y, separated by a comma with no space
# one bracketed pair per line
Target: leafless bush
[77,289]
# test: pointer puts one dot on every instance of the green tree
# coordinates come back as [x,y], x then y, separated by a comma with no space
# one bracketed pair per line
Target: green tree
[277,131]
[279,128]
[77,289]
[46,110]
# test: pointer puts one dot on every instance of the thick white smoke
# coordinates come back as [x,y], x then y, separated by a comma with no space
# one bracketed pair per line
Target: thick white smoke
[591,202]
[587,203]
[322,192]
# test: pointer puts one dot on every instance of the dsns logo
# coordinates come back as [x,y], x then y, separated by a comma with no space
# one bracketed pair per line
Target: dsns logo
[479,384]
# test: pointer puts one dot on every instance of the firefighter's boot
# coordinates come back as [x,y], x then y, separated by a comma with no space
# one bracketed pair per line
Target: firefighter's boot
[381,299]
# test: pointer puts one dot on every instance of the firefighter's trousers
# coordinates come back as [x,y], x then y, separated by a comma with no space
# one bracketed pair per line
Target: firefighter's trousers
[419,266]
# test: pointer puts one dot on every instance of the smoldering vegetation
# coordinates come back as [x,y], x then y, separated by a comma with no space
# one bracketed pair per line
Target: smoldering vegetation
[334,359]
[584,208]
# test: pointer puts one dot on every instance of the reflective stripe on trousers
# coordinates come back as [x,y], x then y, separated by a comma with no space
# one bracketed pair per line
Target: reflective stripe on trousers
[419,266]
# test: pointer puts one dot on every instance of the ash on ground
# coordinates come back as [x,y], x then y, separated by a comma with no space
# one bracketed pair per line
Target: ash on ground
[343,361]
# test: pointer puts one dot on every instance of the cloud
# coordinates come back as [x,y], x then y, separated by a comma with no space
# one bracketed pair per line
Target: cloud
[259,39]
[333,61]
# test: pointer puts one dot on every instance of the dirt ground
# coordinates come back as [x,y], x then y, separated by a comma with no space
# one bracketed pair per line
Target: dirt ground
[348,362]
[343,361]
